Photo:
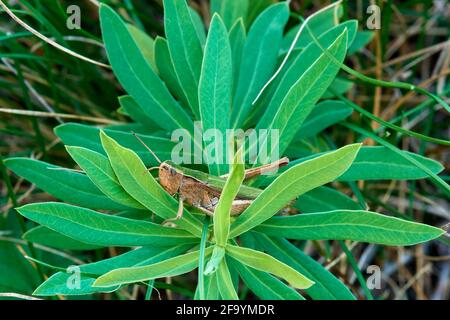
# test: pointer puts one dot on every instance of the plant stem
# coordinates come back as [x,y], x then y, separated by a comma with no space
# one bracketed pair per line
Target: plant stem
[355,268]
[201,260]
[388,124]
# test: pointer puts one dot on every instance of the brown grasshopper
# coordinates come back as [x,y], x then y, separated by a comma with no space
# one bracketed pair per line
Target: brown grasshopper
[201,190]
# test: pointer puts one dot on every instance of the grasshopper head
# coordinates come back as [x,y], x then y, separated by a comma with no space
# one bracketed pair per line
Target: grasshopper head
[169,178]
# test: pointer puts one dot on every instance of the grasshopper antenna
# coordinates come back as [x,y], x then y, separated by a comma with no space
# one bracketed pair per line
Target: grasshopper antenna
[147,147]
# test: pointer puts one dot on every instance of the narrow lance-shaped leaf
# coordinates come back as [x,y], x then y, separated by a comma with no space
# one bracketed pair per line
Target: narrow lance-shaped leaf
[211,290]
[319,22]
[198,25]
[358,225]
[167,71]
[230,10]
[264,285]
[138,114]
[327,286]
[293,183]
[140,184]
[62,183]
[225,283]
[256,9]
[137,76]
[374,163]
[80,135]
[298,62]
[145,44]
[185,49]
[237,41]
[323,115]
[259,58]
[217,256]
[215,96]
[57,283]
[168,268]
[302,96]
[325,199]
[361,40]
[338,86]
[18,274]
[48,237]
[222,213]
[263,262]
[99,170]
[92,227]
[380,163]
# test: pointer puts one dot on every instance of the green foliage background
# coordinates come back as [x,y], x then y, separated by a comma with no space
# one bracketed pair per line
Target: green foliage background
[355,202]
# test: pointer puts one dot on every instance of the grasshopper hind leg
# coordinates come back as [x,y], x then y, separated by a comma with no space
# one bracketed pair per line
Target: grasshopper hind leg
[179,212]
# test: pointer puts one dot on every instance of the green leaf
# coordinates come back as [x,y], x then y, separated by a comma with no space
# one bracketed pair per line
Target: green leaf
[297,64]
[301,96]
[80,135]
[361,40]
[325,199]
[166,70]
[141,185]
[230,10]
[135,112]
[225,283]
[137,76]
[198,25]
[216,257]
[48,237]
[376,163]
[99,170]
[66,185]
[18,275]
[339,86]
[259,59]
[323,115]
[57,283]
[145,43]
[168,268]
[357,225]
[101,229]
[264,262]
[215,95]
[222,212]
[237,37]
[293,183]
[439,182]
[257,7]
[327,286]
[319,23]
[212,290]
[350,25]
[264,285]
[185,49]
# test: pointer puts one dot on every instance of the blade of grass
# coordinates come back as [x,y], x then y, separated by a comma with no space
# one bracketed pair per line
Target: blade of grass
[435,178]
[355,268]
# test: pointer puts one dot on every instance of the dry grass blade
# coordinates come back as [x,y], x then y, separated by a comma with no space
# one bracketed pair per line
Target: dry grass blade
[50,41]
[57,115]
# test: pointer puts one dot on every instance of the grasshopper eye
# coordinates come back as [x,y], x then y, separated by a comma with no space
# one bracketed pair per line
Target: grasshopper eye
[172,171]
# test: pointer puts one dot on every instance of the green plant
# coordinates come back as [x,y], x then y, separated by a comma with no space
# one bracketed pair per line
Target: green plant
[171,88]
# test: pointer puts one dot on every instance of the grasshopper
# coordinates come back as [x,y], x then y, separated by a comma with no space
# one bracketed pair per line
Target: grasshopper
[201,190]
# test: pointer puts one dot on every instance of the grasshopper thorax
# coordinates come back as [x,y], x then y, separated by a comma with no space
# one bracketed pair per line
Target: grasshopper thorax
[169,178]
